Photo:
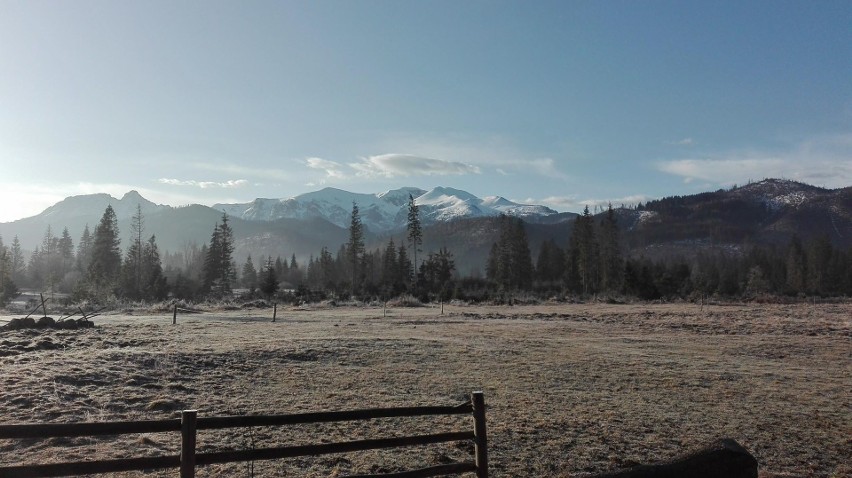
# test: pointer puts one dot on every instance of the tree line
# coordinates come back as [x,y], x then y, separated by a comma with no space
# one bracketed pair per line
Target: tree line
[592,260]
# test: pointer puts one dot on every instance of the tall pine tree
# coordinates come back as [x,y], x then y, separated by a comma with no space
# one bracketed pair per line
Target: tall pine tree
[355,247]
[219,273]
[415,231]
[105,263]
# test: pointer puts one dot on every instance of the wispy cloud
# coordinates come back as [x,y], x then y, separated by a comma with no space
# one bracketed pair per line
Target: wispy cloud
[244,171]
[823,161]
[494,153]
[681,142]
[230,184]
[402,165]
[576,204]
[332,169]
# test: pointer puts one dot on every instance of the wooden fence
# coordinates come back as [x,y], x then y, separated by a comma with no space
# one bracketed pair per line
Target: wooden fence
[190,423]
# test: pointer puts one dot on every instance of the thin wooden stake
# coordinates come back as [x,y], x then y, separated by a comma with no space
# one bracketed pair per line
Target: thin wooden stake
[43,307]
[187,443]
[174,316]
[274,311]
[481,440]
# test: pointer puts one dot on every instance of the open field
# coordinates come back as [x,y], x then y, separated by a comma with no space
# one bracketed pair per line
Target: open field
[571,389]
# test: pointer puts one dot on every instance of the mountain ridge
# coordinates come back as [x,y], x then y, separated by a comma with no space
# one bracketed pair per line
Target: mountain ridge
[381,212]
[766,212]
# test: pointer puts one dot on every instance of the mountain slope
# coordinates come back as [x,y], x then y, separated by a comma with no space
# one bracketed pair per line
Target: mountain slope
[768,212]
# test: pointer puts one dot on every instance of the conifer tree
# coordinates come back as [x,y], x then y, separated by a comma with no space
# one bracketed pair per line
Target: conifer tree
[219,271]
[84,251]
[154,283]
[66,252]
[585,249]
[404,265]
[796,266]
[8,289]
[355,247]
[16,256]
[249,275]
[105,265]
[415,231]
[269,283]
[390,267]
[612,264]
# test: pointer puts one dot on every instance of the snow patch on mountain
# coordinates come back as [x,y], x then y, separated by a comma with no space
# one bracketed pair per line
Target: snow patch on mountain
[381,211]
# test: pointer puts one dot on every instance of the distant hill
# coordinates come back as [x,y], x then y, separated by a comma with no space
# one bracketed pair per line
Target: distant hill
[765,212]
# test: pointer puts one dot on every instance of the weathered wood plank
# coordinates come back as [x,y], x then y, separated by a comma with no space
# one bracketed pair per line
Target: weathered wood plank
[89,467]
[212,423]
[87,429]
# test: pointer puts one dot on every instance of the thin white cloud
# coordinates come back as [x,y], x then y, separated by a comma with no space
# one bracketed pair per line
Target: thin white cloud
[332,169]
[230,184]
[244,171]
[401,165]
[822,161]
[576,204]
[493,153]
[681,142]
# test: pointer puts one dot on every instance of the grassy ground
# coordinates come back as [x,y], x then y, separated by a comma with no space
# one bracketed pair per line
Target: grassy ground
[571,389]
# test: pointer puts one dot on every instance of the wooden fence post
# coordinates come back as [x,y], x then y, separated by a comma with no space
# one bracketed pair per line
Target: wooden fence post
[187,443]
[274,310]
[481,440]
[174,316]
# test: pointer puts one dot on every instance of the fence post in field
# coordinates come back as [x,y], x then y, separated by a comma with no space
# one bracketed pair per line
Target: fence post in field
[187,443]
[481,440]
[274,310]
[174,316]
[43,307]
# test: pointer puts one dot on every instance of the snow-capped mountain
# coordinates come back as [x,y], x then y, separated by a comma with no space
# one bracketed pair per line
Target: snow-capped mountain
[382,211]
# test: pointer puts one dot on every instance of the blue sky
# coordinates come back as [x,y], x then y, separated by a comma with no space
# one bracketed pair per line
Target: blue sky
[559,103]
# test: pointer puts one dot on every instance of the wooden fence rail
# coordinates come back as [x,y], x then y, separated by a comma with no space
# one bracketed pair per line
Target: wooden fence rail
[189,424]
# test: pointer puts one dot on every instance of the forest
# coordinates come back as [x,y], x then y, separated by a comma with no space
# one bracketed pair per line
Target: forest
[592,262]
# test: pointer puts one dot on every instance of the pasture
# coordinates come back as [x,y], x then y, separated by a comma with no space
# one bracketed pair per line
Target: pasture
[571,389]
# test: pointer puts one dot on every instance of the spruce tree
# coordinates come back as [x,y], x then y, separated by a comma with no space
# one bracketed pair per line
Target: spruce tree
[249,275]
[269,283]
[219,271]
[390,267]
[415,231]
[355,247]
[154,283]
[105,264]
[404,265]
[612,264]
[585,248]
[66,252]
[8,289]
[17,260]
[84,251]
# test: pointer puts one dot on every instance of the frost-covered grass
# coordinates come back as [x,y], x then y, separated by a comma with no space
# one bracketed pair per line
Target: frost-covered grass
[571,388]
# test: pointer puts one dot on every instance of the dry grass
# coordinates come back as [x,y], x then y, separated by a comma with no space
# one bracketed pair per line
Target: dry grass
[572,389]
